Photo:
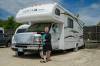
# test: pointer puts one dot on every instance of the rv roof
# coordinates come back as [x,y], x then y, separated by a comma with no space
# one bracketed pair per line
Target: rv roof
[34,8]
[39,12]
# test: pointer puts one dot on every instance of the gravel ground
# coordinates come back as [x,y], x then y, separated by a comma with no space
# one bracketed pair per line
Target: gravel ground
[84,57]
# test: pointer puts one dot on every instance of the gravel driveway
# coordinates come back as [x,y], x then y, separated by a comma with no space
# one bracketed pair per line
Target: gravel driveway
[84,57]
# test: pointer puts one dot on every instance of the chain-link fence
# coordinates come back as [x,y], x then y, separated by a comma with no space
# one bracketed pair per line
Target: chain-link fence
[92,33]
[9,33]
[92,36]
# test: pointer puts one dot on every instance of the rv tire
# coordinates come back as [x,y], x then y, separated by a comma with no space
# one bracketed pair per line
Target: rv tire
[76,48]
[83,46]
[19,53]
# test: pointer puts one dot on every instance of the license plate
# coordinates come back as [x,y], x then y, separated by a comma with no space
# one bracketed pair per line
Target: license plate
[20,49]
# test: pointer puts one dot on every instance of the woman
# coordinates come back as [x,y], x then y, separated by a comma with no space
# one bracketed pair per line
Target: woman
[47,48]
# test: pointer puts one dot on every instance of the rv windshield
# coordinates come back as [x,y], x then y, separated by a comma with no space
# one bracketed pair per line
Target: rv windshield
[38,27]
[1,31]
[21,30]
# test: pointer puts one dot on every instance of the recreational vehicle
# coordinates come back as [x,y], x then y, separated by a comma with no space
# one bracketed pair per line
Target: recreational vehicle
[65,28]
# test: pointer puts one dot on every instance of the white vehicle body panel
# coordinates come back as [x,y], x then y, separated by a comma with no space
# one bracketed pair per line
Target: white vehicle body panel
[65,38]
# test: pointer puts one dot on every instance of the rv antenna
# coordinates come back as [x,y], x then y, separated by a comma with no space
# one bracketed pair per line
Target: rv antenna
[77,15]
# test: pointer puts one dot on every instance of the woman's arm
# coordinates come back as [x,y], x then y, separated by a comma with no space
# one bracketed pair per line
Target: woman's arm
[48,37]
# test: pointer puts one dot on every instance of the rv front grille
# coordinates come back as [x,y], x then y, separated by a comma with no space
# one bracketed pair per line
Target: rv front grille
[21,46]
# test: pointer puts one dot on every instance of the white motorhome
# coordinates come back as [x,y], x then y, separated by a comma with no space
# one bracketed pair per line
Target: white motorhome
[65,28]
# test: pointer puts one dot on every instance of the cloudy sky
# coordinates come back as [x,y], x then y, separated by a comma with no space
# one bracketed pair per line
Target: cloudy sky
[89,10]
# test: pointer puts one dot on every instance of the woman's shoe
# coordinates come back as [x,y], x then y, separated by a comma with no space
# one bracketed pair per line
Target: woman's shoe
[43,61]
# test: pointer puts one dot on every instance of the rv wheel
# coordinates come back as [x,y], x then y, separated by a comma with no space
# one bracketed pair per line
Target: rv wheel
[7,45]
[76,48]
[19,53]
[83,46]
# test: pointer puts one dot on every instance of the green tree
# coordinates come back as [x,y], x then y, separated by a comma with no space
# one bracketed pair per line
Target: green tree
[98,24]
[10,23]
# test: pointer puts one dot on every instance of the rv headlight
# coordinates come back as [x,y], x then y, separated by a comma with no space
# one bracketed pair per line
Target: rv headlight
[13,40]
[13,46]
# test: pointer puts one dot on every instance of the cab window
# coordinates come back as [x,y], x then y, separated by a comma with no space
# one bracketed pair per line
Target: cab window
[1,32]
[55,28]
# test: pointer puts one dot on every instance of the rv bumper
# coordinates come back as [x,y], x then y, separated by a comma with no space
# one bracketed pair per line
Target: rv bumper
[26,48]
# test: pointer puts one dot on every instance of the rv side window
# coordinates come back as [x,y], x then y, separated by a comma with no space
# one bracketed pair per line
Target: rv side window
[70,23]
[57,12]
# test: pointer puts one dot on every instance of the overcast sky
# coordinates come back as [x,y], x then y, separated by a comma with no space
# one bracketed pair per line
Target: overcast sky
[89,10]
